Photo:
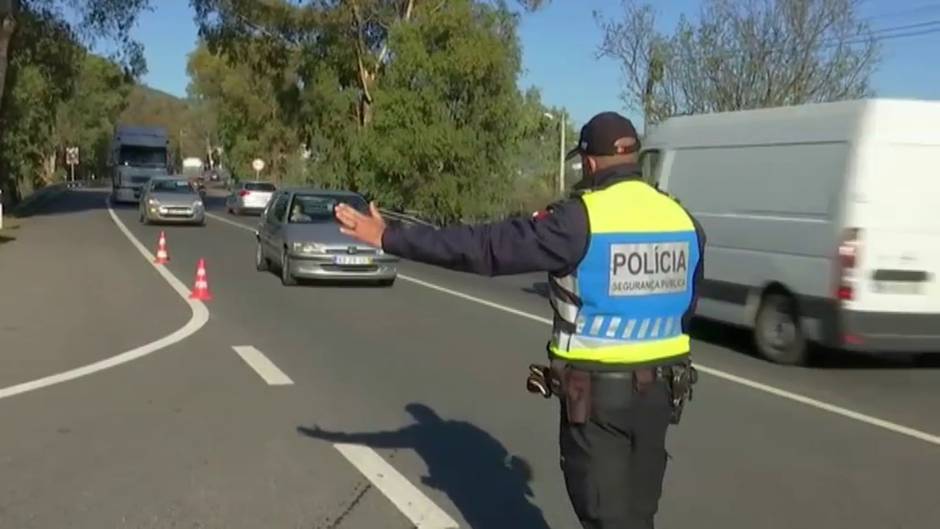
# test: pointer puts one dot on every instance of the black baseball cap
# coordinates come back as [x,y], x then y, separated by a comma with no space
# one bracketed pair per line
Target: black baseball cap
[600,135]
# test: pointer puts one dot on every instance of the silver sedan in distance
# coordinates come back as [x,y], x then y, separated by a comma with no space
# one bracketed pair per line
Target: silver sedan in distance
[169,199]
[299,234]
[249,197]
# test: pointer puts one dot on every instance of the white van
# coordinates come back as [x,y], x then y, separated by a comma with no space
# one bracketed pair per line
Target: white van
[822,220]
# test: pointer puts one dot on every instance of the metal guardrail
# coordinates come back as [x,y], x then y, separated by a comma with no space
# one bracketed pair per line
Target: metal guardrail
[405,218]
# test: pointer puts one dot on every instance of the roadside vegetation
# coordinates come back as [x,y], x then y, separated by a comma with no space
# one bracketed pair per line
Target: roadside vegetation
[413,103]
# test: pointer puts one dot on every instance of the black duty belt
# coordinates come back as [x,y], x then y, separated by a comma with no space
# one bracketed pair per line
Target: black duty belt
[653,372]
[563,380]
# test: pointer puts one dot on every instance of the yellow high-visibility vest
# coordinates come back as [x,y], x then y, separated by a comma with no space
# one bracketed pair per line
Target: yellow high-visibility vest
[625,302]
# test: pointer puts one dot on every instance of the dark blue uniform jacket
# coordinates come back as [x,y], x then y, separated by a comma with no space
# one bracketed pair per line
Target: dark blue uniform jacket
[554,242]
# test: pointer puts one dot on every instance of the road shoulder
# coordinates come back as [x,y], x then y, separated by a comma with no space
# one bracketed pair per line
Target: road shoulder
[74,291]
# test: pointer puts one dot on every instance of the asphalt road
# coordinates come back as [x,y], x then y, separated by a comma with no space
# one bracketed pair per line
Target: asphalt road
[196,434]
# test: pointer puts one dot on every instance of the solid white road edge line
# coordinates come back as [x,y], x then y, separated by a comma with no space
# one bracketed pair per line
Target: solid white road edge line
[724,375]
[200,315]
[262,365]
[421,511]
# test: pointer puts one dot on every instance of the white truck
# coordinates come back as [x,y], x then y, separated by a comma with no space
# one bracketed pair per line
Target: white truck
[192,168]
[137,154]
[821,221]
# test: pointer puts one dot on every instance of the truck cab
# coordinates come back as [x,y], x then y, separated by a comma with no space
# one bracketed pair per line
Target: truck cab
[137,154]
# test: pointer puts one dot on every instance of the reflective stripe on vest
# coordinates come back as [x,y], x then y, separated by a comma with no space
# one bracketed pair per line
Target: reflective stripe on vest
[625,302]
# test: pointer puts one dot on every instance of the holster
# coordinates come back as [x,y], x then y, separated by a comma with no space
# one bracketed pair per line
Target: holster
[681,378]
[576,390]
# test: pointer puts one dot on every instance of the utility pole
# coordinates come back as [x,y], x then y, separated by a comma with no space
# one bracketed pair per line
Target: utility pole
[561,158]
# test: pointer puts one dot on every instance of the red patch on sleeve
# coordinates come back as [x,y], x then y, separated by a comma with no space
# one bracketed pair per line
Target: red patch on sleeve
[541,214]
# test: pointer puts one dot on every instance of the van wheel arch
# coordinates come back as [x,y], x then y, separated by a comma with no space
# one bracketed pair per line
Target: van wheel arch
[778,334]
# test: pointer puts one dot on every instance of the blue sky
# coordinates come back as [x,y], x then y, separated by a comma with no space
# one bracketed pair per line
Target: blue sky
[559,45]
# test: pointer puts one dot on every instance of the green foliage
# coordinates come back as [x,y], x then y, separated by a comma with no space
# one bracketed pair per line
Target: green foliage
[40,77]
[87,118]
[51,92]
[414,104]
[250,114]
[446,113]
[97,19]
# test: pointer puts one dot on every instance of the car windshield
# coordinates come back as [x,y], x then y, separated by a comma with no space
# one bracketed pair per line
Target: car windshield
[143,156]
[259,186]
[172,186]
[307,209]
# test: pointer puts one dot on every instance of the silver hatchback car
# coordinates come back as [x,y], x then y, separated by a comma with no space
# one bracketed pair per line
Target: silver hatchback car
[249,197]
[171,199]
[299,234]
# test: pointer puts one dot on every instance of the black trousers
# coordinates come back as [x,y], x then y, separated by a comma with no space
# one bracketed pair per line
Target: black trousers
[615,462]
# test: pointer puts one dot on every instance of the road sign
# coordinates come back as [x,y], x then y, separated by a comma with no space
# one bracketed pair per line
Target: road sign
[71,159]
[71,155]
[257,164]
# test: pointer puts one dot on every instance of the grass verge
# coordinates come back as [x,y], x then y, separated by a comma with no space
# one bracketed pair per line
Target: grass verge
[26,208]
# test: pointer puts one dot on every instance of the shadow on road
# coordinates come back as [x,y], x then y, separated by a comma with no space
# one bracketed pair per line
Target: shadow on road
[94,198]
[69,201]
[488,485]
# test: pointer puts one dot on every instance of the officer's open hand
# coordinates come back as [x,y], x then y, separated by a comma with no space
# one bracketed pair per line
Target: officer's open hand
[368,229]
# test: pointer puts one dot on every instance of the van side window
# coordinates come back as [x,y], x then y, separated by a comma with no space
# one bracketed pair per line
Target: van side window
[650,165]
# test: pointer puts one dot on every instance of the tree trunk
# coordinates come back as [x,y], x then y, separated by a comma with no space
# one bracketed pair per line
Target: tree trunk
[49,168]
[7,26]
[365,111]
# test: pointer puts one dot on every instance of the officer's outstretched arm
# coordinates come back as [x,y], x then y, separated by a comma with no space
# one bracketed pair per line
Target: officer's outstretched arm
[386,439]
[553,242]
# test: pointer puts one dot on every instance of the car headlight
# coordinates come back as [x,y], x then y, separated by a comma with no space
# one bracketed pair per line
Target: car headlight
[197,204]
[153,202]
[307,248]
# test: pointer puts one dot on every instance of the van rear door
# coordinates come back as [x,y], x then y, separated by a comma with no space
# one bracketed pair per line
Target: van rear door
[896,211]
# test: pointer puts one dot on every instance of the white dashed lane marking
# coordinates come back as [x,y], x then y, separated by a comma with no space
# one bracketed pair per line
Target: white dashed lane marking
[421,511]
[262,365]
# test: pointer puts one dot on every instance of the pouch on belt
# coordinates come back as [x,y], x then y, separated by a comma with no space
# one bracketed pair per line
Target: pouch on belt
[576,386]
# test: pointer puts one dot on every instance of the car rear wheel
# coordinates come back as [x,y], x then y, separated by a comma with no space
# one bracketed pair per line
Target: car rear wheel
[261,262]
[777,331]
[286,278]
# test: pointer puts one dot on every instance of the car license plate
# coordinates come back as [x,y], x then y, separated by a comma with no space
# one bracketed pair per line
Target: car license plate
[898,287]
[352,260]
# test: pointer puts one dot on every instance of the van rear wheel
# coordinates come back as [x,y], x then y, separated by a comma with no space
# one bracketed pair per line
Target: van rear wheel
[777,331]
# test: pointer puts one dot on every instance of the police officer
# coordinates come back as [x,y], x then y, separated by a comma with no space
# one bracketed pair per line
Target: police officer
[623,261]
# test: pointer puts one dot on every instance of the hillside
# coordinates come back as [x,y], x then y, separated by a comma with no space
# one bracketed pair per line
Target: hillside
[151,107]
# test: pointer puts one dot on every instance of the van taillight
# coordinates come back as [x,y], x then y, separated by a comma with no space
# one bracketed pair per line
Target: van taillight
[849,248]
[243,193]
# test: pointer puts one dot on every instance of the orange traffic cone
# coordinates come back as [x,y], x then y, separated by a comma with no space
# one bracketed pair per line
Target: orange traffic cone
[162,256]
[201,287]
